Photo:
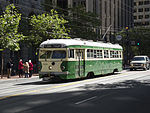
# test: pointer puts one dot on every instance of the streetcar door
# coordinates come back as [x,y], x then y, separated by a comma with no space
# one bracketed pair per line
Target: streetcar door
[80,66]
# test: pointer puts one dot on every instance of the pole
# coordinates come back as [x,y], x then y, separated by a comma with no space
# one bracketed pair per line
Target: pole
[106,32]
[127,46]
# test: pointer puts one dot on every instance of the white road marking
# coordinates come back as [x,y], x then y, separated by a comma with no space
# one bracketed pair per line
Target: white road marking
[85,100]
[80,102]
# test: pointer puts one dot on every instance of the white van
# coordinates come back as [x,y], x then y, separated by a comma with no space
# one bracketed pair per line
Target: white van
[139,62]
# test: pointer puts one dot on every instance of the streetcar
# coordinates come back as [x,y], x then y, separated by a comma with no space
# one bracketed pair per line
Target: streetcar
[75,58]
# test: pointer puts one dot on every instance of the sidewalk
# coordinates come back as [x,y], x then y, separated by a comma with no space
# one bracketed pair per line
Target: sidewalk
[16,77]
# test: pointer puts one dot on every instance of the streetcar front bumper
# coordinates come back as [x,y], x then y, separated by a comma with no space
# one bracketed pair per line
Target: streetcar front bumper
[52,74]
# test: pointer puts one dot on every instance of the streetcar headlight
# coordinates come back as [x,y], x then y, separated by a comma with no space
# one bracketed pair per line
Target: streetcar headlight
[50,67]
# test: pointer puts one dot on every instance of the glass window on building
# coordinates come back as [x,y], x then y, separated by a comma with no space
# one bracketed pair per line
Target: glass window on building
[135,17]
[147,16]
[135,10]
[146,2]
[147,9]
[74,4]
[140,2]
[140,10]
[140,16]
[134,3]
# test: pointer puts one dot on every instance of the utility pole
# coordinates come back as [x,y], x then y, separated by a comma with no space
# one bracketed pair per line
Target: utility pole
[127,46]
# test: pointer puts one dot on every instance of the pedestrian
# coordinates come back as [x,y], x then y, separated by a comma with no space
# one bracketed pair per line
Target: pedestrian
[26,69]
[9,68]
[30,68]
[20,67]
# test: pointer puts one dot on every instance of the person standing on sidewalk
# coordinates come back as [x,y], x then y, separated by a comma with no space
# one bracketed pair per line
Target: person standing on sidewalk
[9,68]
[26,69]
[20,67]
[30,68]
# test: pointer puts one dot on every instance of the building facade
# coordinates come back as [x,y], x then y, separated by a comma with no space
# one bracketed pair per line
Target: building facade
[25,6]
[115,15]
[142,13]
[69,3]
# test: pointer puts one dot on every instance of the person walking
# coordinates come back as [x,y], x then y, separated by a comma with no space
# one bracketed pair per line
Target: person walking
[20,67]
[30,68]
[26,69]
[9,68]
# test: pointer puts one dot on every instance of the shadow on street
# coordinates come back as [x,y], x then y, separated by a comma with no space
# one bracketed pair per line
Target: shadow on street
[124,97]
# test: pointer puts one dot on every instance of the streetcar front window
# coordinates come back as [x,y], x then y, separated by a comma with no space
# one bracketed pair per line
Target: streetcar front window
[58,54]
[45,54]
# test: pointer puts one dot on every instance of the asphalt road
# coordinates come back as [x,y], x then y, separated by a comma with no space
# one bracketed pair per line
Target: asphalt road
[125,92]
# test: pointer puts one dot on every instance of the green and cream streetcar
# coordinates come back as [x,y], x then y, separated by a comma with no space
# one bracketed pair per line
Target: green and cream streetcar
[75,58]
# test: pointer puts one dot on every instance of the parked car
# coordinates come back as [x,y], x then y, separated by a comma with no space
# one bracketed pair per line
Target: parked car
[140,62]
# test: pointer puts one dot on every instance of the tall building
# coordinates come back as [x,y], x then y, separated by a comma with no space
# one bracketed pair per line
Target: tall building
[114,14]
[141,13]
[25,6]
[69,3]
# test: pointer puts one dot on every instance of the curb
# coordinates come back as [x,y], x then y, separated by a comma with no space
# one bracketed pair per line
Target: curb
[16,78]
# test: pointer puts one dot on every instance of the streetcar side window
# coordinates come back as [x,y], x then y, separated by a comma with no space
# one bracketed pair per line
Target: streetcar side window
[115,54]
[111,54]
[120,54]
[95,54]
[90,53]
[106,54]
[71,53]
[99,54]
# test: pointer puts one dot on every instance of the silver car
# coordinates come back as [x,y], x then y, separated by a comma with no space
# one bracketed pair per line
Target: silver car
[139,62]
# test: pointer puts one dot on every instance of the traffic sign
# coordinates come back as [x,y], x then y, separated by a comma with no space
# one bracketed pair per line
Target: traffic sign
[118,37]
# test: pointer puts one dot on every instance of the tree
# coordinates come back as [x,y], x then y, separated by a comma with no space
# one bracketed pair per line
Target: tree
[9,36]
[47,26]
[84,24]
[139,38]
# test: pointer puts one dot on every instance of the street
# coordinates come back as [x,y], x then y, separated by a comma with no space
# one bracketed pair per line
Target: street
[123,92]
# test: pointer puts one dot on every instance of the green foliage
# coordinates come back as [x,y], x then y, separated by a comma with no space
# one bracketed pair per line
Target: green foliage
[84,24]
[141,35]
[9,23]
[48,26]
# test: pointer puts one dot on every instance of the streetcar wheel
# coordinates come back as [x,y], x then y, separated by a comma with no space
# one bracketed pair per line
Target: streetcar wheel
[90,75]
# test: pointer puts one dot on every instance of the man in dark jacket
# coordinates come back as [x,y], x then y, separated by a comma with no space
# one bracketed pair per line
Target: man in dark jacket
[9,68]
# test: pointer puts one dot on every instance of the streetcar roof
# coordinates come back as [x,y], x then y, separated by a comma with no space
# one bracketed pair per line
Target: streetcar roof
[69,42]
